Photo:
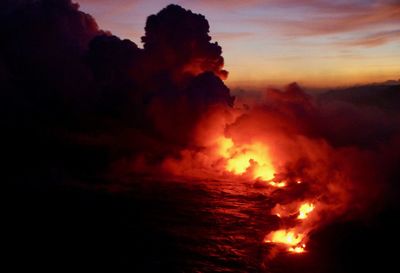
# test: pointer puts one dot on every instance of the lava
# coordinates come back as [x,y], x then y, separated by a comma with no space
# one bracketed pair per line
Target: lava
[254,159]
[287,237]
[304,210]
[294,237]
[298,249]
[278,184]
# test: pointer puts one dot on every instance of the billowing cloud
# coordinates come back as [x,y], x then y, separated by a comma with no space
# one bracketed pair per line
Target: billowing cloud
[60,73]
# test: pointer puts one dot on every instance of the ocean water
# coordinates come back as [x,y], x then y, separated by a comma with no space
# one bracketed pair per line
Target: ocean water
[206,225]
[152,225]
[216,226]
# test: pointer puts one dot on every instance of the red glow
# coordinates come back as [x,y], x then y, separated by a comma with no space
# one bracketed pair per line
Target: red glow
[304,210]
[240,158]
[298,249]
[288,237]
[268,144]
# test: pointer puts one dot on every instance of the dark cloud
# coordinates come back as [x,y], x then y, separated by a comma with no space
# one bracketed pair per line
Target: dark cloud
[65,81]
[177,42]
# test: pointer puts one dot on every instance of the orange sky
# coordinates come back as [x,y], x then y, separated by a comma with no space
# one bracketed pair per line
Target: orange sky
[272,42]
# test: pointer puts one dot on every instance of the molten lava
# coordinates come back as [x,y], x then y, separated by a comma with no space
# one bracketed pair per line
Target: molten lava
[287,237]
[290,238]
[278,184]
[298,249]
[304,210]
[294,237]
[253,159]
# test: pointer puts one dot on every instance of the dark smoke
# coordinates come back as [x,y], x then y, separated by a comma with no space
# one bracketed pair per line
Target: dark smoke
[65,81]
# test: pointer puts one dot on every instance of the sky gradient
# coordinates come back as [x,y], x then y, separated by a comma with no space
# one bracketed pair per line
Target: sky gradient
[272,42]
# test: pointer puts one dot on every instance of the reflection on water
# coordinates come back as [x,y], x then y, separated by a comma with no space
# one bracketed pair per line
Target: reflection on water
[213,226]
[173,226]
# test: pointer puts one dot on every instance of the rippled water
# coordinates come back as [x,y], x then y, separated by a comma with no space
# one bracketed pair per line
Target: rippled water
[148,225]
[144,225]
[212,226]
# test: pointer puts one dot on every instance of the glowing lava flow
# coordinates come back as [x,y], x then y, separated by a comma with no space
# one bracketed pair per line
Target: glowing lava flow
[252,157]
[278,184]
[304,210]
[292,238]
[298,249]
[287,237]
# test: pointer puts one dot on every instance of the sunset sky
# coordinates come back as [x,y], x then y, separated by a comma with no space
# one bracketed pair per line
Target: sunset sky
[273,42]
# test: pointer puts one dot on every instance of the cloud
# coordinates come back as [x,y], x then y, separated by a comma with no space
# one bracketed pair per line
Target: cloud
[221,36]
[374,40]
[326,19]
[61,74]
[230,4]
[179,40]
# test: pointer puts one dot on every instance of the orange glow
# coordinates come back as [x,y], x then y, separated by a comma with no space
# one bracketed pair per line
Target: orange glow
[278,184]
[290,238]
[255,160]
[295,237]
[287,237]
[241,158]
[253,147]
[304,210]
[298,249]
[225,144]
